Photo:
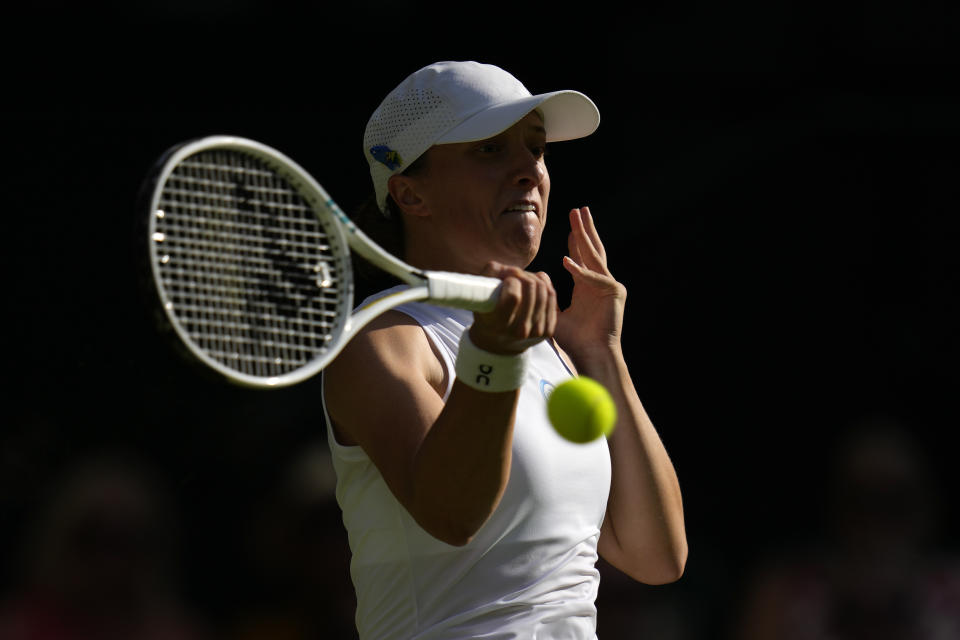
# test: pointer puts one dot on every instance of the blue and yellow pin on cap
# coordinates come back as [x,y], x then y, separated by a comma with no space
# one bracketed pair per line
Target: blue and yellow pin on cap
[387,156]
[450,101]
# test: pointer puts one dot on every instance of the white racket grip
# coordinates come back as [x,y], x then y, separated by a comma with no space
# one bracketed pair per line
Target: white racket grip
[462,290]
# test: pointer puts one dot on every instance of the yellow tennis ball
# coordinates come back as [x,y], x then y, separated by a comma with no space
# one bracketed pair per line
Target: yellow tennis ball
[581,410]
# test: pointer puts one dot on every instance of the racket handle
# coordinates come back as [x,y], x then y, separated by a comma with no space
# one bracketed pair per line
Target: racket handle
[462,290]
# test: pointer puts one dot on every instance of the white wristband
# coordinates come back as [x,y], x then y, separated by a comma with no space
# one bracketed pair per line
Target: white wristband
[485,371]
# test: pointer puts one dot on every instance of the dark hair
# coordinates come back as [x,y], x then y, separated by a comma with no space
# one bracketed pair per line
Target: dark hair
[387,230]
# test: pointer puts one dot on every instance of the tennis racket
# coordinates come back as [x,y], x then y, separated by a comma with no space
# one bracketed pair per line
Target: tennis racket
[250,262]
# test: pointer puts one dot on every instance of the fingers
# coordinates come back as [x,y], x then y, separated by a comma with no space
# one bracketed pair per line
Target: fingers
[526,311]
[545,316]
[584,244]
[528,306]
[573,245]
[591,230]
[587,262]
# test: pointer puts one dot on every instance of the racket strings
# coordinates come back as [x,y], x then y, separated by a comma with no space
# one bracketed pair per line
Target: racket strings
[248,269]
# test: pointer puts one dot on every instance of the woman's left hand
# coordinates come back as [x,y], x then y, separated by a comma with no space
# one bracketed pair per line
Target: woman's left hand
[594,319]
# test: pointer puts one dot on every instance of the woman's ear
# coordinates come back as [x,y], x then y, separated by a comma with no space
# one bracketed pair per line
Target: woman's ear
[405,193]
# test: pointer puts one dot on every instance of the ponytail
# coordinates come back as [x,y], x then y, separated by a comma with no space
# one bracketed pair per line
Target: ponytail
[387,231]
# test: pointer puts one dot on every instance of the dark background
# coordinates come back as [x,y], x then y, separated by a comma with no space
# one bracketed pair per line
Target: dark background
[776,185]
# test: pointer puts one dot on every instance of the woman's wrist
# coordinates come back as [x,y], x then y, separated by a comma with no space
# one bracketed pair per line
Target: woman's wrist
[487,371]
[598,359]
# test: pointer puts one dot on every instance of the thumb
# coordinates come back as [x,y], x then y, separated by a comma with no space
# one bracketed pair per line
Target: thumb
[574,269]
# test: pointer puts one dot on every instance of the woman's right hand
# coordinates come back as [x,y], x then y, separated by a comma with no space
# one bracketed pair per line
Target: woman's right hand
[525,314]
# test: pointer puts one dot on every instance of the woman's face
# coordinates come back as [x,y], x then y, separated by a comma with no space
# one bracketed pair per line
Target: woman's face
[487,200]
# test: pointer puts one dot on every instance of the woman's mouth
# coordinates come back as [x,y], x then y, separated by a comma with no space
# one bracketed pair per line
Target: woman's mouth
[521,207]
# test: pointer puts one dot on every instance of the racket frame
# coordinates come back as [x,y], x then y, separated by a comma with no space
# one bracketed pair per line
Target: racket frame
[465,291]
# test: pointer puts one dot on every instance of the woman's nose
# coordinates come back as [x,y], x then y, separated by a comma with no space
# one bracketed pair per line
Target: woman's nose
[530,169]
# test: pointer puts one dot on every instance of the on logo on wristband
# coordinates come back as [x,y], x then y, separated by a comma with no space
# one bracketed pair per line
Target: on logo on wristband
[486,371]
[484,376]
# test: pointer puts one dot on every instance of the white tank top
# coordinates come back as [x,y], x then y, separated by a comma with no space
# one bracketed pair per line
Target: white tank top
[528,573]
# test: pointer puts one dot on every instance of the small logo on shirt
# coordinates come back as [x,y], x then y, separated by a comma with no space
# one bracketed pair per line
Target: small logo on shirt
[546,388]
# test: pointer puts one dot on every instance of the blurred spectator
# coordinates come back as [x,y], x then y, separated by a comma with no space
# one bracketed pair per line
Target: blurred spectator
[97,561]
[300,559]
[878,573]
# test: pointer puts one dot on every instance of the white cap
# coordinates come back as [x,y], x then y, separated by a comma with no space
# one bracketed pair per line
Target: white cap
[461,102]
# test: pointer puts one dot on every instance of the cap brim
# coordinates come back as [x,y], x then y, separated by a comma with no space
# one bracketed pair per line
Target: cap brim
[567,115]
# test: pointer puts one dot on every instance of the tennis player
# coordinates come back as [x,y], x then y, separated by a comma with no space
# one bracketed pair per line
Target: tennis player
[468,515]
